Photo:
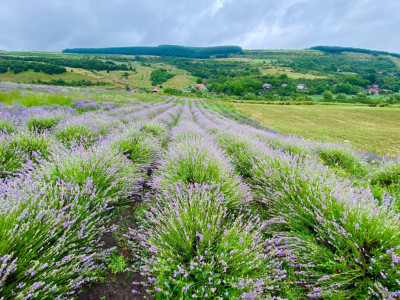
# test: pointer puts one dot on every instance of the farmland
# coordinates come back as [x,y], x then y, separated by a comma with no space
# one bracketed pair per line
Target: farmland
[374,129]
[329,74]
[188,202]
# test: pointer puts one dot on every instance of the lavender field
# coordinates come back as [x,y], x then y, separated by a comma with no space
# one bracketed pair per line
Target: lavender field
[220,209]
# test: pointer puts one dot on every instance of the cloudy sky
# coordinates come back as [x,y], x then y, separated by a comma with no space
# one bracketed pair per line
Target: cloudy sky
[52,25]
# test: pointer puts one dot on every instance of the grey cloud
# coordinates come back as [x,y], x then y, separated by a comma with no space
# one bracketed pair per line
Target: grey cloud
[270,24]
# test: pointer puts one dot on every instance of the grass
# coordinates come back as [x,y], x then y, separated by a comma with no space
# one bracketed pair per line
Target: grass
[137,79]
[180,82]
[288,71]
[371,129]
[29,99]
[263,61]
[29,76]
[37,99]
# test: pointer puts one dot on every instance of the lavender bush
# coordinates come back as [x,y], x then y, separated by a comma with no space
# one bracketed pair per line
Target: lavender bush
[19,149]
[85,129]
[356,237]
[197,249]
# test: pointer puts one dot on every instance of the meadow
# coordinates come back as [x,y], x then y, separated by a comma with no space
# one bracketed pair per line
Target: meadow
[188,201]
[375,129]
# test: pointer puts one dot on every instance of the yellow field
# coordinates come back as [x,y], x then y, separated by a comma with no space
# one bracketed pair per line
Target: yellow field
[369,128]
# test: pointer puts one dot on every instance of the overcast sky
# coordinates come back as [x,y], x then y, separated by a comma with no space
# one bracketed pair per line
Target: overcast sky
[52,25]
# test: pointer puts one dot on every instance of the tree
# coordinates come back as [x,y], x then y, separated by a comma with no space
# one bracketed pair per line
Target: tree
[341,96]
[238,89]
[328,96]
[356,80]
[199,80]
[218,88]
[283,76]
[276,97]
[345,88]
[361,97]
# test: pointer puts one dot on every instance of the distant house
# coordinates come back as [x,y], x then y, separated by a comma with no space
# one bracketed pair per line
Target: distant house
[267,86]
[302,86]
[283,84]
[201,86]
[155,90]
[374,89]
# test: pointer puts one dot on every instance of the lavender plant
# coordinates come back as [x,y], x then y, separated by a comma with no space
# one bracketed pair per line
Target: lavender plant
[198,160]
[111,174]
[6,126]
[21,148]
[42,123]
[141,147]
[356,236]
[48,246]
[197,249]
[85,129]
[388,173]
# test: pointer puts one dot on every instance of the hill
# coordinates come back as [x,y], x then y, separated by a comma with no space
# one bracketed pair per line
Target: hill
[338,50]
[322,72]
[163,50]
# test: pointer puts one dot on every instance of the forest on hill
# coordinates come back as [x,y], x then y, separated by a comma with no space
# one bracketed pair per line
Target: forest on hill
[338,50]
[163,50]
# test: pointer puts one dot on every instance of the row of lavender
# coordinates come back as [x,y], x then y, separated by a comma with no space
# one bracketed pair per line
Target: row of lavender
[59,185]
[366,169]
[341,241]
[198,238]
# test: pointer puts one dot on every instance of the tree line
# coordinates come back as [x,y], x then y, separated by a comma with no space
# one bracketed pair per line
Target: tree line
[83,63]
[22,66]
[339,50]
[162,50]
[78,83]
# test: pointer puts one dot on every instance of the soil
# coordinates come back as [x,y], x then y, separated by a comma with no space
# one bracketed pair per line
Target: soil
[121,285]
[117,287]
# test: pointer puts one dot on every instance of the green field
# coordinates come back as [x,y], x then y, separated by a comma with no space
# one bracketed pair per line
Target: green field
[138,78]
[369,128]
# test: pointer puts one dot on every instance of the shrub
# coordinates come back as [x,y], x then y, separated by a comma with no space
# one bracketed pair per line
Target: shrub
[48,245]
[156,129]
[7,126]
[86,129]
[141,147]
[357,239]
[387,174]
[328,96]
[338,155]
[198,160]
[39,124]
[21,148]
[341,96]
[197,249]
[111,174]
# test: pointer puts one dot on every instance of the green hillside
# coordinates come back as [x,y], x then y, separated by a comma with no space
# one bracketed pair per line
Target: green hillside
[332,74]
